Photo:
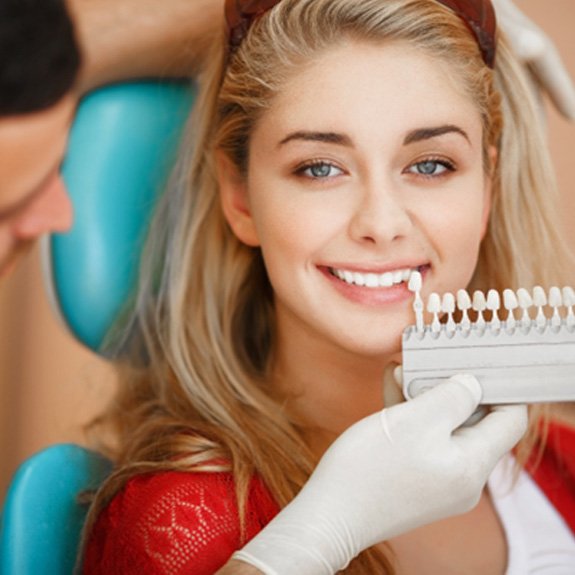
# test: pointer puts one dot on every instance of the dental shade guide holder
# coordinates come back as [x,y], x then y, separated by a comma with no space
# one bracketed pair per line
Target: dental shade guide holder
[516,358]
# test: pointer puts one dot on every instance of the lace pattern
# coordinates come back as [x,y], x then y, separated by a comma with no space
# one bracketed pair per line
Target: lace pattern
[173,523]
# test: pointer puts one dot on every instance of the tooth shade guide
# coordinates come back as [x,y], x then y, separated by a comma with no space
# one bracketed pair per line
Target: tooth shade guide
[526,363]
[460,312]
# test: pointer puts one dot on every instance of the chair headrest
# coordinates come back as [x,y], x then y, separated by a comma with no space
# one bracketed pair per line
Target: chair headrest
[122,147]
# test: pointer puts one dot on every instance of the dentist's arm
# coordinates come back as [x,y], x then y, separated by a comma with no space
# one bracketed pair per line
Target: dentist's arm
[535,48]
[401,468]
[125,39]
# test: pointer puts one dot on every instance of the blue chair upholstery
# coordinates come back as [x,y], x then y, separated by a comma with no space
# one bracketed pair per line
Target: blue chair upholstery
[42,516]
[122,147]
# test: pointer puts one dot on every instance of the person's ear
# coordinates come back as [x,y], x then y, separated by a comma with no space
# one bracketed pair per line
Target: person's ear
[488,189]
[234,200]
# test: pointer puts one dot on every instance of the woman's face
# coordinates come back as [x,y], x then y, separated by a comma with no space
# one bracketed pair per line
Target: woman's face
[367,166]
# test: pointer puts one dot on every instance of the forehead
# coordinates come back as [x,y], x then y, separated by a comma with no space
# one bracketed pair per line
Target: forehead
[371,88]
[31,145]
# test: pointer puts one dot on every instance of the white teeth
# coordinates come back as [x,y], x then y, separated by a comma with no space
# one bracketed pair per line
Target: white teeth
[359,279]
[373,280]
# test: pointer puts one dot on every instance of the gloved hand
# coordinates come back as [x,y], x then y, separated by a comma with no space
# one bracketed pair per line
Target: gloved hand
[535,48]
[398,469]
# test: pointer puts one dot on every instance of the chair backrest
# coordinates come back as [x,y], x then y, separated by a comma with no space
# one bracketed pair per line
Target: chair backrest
[122,147]
[43,516]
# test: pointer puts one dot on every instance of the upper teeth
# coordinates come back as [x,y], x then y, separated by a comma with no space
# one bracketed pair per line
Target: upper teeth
[373,280]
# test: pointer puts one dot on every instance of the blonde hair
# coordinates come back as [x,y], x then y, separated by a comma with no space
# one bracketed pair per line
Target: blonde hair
[195,387]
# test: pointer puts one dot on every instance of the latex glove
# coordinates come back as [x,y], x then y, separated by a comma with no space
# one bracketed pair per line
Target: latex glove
[535,48]
[398,469]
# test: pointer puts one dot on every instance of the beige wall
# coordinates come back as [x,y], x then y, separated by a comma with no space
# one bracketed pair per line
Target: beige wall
[49,385]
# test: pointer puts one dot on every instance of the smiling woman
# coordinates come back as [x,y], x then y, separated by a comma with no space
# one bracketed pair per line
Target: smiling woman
[407,192]
[340,146]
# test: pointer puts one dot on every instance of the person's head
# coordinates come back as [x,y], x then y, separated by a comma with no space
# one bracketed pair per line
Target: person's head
[291,60]
[39,62]
[426,156]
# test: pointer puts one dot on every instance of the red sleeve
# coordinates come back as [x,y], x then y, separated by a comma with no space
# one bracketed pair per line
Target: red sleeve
[173,523]
[555,474]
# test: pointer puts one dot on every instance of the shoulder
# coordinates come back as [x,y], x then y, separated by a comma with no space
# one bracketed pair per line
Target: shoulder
[175,522]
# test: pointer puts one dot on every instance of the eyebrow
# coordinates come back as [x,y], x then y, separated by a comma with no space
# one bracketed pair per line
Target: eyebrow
[422,134]
[412,137]
[324,137]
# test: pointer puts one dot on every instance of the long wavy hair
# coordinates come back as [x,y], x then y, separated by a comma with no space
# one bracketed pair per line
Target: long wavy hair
[193,392]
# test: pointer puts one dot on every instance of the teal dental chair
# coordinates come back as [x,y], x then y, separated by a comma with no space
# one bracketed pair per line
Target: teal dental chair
[121,149]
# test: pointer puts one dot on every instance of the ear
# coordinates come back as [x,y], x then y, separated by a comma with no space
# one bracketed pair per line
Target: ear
[234,200]
[488,190]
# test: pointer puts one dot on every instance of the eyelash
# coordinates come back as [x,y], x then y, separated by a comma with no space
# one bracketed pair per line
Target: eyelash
[301,169]
[439,162]
[443,162]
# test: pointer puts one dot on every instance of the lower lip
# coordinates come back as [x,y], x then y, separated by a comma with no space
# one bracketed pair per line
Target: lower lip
[396,293]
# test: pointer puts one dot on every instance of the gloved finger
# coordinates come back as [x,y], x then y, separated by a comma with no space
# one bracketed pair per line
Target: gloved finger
[495,434]
[553,76]
[534,47]
[392,392]
[446,405]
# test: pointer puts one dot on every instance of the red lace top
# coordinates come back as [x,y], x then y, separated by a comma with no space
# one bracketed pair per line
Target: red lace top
[176,523]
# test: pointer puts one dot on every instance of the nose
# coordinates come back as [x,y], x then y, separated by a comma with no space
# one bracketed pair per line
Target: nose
[381,215]
[51,211]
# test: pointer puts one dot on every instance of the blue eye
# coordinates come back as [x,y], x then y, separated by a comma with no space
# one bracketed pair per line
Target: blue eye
[319,170]
[431,168]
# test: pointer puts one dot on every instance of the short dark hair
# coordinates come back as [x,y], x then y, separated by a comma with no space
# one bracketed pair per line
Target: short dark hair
[39,55]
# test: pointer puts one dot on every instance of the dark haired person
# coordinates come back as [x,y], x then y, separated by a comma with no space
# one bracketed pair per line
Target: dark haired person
[42,74]
[38,68]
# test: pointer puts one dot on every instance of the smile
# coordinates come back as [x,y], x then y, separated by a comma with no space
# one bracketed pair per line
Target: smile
[373,280]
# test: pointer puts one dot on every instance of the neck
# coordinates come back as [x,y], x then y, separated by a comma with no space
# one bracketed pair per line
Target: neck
[328,389]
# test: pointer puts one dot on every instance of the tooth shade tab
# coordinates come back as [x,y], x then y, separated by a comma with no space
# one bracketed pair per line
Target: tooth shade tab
[479,305]
[569,302]
[434,303]
[525,302]
[415,282]
[493,300]
[524,298]
[539,296]
[493,304]
[463,300]
[414,285]
[555,301]
[555,298]
[568,296]
[448,307]
[448,303]
[510,300]
[540,300]
[434,307]
[464,304]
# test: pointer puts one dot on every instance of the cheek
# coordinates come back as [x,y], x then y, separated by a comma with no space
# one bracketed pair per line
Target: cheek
[294,225]
[455,229]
